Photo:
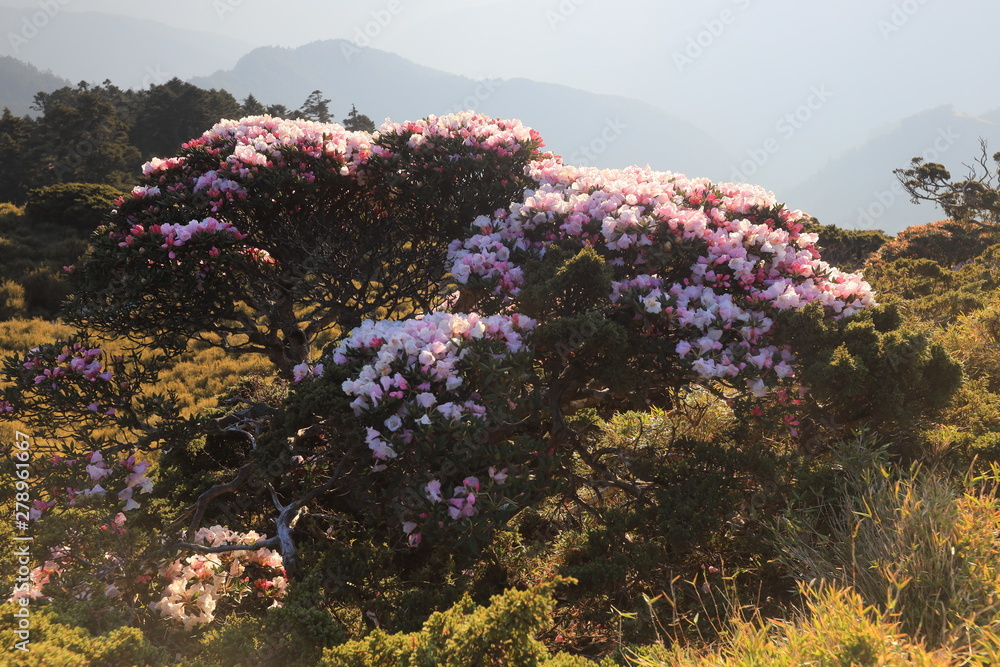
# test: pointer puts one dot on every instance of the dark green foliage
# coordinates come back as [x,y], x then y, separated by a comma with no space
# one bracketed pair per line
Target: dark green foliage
[32,254]
[865,369]
[186,471]
[970,427]
[846,249]
[82,136]
[173,112]
[316,107]
[251,106]
[974,340]
[358,122]
[927,290]
[79,206]
[102,134]
[686,497]
[293,635]
[279,111]
[565,283]
[909,279]
[14,147]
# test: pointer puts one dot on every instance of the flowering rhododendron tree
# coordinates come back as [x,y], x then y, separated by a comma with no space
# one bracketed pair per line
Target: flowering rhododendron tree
[265,232]
[491,306]
[697,271]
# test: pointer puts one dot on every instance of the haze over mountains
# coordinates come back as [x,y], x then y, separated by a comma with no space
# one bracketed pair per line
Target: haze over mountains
[809,141]
[584,128]
[94,46]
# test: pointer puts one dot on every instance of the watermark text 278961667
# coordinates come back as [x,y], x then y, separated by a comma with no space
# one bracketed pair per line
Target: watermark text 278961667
[22,509]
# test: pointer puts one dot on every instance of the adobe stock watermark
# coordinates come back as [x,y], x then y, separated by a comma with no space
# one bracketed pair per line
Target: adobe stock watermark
[713,30]
[223,7]
[155,76]
[562,12]
[587,155]
[483,91]
[899,17]
[31,25]
[883,200]
[22,555]
[367,33]
[786,127]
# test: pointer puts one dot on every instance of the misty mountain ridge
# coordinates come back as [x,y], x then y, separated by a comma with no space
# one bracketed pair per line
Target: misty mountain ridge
[585,128]
[858,190]
[140,53]
[19,81]
[846,189]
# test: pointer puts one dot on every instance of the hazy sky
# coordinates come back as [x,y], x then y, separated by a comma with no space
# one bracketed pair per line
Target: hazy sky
[700,60]
[816,77]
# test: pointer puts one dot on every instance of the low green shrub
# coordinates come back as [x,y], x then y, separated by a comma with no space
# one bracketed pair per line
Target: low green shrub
[501,634]
[81,206]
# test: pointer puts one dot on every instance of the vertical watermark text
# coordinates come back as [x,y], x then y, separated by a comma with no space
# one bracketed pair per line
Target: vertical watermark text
[21,540]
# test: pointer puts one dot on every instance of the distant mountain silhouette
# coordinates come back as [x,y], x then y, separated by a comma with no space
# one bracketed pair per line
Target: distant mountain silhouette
[93,46]
[585,128]
[858,190]
[853,189]
[19,81]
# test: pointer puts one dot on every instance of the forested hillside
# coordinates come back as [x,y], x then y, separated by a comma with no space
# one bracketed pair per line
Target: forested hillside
[103,134]
[287,391]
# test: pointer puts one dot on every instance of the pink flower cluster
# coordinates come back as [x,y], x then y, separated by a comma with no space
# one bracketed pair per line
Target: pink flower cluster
[306,371]
[264,141]
[463,498]
[224,159]
[197,583]
[415,368]
[176,235]
[39,577]
[504,137]
[73,361]
[751,259]
[461,505]
[129,474]
[157,165]
[221,169]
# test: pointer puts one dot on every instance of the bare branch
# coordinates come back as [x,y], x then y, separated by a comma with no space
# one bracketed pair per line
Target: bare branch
[269,543]
[201,505]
